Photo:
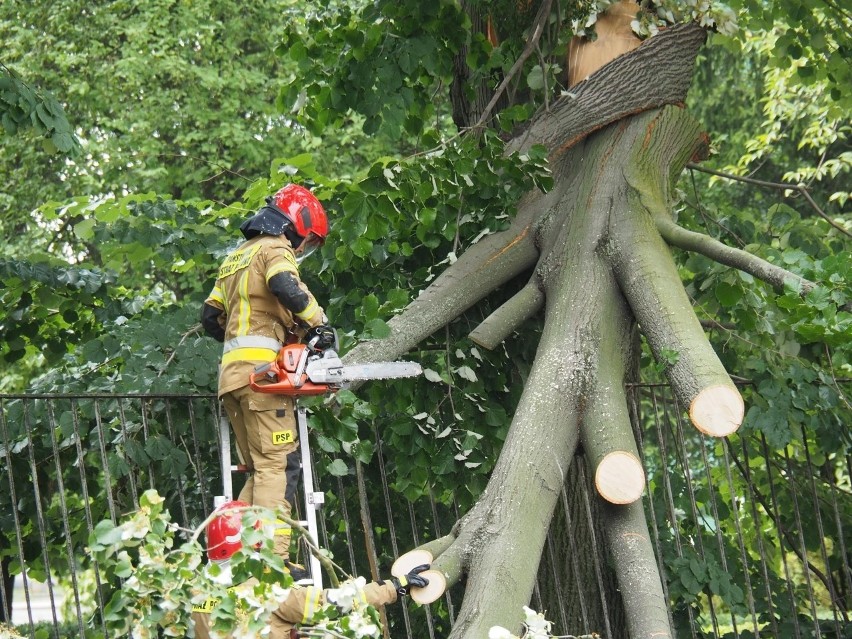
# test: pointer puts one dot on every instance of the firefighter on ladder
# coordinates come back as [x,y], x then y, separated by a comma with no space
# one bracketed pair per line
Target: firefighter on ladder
[300,604]
[258,303]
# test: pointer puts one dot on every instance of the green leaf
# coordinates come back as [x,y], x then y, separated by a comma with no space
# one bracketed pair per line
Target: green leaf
[376,329]
[370,307]
[338,468]
[158,447]
[535,78]
[728,294]
[105,534]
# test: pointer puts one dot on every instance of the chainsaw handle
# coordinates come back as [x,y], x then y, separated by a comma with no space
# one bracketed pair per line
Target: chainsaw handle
[311,343]
[262,368]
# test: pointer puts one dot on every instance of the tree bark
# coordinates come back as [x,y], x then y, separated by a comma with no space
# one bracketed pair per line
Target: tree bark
[6,590]
[607,435]
[511,315]
[600,262]
[648,275]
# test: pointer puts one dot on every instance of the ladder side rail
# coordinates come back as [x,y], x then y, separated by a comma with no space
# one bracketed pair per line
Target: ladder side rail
[313,500]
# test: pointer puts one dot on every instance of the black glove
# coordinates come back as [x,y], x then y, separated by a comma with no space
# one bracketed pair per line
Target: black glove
[320,338]
[402,584]
[297,571]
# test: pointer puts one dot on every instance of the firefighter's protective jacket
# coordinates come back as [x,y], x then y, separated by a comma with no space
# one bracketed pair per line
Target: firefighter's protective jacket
[298,608]
[255,322]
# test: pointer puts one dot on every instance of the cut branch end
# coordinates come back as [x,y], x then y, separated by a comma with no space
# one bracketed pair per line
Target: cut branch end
[717,410]
[620,478]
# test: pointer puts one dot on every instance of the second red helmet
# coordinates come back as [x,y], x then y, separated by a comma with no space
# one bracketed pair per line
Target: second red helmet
[225,531]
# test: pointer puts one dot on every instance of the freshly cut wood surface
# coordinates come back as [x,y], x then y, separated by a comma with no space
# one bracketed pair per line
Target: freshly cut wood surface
[717,410]
[620,478]
[410,560]
[615,37]
[437,586]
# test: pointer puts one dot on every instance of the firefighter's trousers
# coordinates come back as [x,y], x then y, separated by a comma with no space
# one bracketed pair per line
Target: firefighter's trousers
[266,435]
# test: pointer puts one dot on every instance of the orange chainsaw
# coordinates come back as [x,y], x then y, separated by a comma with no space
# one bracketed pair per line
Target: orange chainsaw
[302,370]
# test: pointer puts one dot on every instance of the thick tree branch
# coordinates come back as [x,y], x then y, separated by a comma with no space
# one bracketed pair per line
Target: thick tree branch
[605,431]
[798,188]
[636,570]
[656,145]
[707,246]
[483,267]
[516,311]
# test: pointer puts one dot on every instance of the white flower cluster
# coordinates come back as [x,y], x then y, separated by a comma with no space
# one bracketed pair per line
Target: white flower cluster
[256,602]
[348,599]
[535,627]
[347,594]
[657,14]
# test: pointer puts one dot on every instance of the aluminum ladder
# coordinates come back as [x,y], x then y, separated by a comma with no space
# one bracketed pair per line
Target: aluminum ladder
[313,500]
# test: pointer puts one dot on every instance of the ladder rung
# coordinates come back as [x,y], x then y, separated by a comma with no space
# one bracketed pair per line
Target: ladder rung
[241,468]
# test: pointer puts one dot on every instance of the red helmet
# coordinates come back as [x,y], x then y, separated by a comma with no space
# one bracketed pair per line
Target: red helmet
[224,532]
[305,213]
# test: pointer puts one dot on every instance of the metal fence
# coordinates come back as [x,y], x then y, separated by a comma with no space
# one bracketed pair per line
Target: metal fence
[750,542]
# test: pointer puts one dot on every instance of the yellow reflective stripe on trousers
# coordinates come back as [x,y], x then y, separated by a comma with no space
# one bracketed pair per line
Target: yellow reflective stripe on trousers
[249,355]
[312,597]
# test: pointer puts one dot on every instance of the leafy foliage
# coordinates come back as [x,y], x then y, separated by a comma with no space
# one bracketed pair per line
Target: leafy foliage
[157,582]
[817,37]
[395,57]
[22,107]
[172,99]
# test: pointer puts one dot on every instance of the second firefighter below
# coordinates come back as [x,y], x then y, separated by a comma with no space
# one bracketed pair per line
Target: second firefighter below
[257,304]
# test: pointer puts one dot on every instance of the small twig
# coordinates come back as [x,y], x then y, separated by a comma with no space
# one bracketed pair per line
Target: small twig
[217,165]
[700,209]
[195,329]
[449,369]
[543,77]
[457,238]
[831,370]
[799,188]
[541,19]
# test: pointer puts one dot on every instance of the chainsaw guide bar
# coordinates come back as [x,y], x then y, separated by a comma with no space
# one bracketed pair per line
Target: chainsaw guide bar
[297,370]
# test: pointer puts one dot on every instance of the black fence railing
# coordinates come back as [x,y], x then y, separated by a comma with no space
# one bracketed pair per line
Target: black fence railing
[750,542]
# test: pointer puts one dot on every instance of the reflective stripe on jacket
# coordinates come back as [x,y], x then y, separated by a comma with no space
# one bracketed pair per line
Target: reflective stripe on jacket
[256,323]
